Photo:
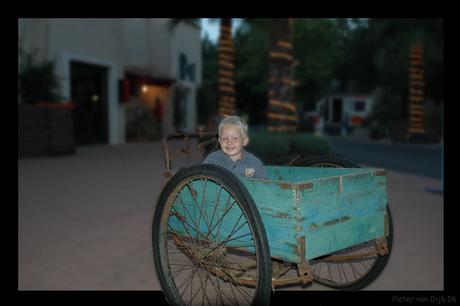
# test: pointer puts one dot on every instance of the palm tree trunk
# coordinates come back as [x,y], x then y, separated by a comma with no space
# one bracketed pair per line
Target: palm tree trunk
[281,108]
[226,69]
[416,85]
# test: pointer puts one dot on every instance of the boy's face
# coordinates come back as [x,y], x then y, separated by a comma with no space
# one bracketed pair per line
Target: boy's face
[232,142]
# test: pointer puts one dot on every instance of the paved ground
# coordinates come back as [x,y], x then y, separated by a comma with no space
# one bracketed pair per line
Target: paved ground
[405,157]
[84,223]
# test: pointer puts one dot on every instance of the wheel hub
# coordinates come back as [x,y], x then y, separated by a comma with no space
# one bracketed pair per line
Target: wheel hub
[204,253]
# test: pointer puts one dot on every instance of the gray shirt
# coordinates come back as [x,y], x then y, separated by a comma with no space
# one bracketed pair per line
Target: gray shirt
[248,166]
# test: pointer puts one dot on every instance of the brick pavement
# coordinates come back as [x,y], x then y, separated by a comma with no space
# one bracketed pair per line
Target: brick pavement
[84,223]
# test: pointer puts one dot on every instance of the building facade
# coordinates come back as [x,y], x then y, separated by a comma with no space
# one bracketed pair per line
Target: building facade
[110,67]
[342,110]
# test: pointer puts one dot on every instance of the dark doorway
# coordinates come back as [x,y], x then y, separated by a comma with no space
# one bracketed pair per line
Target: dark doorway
[336,110]
[89,93]
[326,111]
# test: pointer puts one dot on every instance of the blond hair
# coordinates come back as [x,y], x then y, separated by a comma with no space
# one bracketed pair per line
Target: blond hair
[235,121]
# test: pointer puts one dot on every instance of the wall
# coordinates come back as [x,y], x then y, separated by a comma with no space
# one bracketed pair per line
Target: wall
[186,38]
[348,107]
[114,43]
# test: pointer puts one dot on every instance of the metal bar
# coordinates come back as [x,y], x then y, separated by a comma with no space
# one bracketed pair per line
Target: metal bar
[348,257]
[200,134]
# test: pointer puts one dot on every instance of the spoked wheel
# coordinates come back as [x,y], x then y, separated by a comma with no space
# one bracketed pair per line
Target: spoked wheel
[209,242]
[355,267]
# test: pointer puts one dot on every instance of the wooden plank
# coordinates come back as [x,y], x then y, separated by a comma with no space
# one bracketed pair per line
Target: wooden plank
[339,209]
[334,206]
[299,174]
[332,213]
[277,210]
[327,239]
[340,201]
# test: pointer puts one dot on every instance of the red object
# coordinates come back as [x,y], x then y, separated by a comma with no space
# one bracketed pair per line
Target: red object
[69,105]
[315,119]
[356,119]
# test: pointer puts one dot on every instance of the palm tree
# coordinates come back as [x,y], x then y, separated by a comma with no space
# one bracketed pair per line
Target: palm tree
[416,85]
[226,69]
[226,63]
[281,109]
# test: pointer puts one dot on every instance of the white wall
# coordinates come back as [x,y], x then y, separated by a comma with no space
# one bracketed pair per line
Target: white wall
[187,39]
[159,44]
[114,43]
[348,106]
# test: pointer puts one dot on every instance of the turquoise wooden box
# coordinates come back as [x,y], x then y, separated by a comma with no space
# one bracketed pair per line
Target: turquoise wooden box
[310,212]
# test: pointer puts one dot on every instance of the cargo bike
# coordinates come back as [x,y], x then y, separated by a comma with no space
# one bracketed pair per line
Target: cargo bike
[218,239]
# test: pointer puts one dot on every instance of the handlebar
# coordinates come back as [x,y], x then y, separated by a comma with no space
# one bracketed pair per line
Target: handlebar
[200,132]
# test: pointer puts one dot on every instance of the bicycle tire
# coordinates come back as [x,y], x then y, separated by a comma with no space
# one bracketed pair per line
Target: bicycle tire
[376,267]
[205,261]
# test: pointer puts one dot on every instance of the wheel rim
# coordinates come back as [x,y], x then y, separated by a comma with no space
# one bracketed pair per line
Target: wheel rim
[207,245]
[325,165]
[344,268]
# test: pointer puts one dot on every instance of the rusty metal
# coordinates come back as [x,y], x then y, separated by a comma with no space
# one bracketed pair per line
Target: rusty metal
[227,270]
[187,152]
[243,266]
[169,175]
[348,257]
[302,249]
[380,173]
[193,192]
[200,129]
[335,221]
[382,246]
[305,272]
[182,245]
[387,226]
[286,186]
[305,186]
[382,249]
[294,186]
[281,282]
[182,218]
[278,269]
[199,254]
[200,133]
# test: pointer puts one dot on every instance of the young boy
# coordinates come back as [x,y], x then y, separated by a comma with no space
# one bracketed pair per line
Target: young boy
[233,136]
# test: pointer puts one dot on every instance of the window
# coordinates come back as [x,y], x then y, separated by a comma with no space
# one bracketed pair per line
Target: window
[360,106]
[309,106]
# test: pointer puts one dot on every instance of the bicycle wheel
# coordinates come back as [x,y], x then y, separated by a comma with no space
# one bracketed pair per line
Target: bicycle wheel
[209,242]
[355,267]
[326,161]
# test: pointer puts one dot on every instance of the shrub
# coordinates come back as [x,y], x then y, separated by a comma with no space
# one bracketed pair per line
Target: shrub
[264,143]
[428,137]
[37,80]
[377,132]
[140,123]
[307,125]
[312,144]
